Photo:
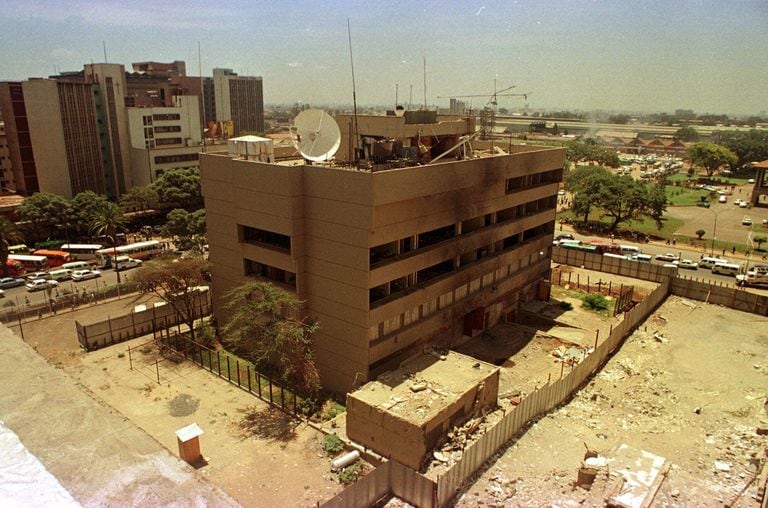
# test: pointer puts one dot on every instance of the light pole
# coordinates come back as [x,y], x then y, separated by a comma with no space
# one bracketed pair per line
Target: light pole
[714,231]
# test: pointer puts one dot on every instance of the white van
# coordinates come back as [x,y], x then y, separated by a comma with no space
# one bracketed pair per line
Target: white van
[629,250]
[60,274]
[642,258]
[708,262]
[726,269]
[125,263]
[76,265]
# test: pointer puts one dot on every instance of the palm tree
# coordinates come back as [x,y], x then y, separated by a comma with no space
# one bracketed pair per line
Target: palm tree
[108,218]
[8,233]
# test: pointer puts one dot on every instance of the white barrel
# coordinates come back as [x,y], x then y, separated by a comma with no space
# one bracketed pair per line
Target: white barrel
[345,460]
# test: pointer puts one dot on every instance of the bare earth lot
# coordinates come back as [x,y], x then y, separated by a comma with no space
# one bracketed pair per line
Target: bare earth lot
[694,396]
[255,454]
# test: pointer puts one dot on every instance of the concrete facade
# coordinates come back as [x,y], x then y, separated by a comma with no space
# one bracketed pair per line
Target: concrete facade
[390,260]
[6,168]
[53,137]
[407,412]
[240,99]
[164,138]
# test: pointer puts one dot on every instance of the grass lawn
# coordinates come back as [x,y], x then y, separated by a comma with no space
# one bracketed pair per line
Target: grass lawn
[681,196]
[645,226]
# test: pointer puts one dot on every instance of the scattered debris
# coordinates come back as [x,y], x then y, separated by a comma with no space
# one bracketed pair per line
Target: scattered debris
[723,467]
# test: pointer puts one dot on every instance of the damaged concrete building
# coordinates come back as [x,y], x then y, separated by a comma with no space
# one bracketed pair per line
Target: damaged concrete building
[413,236]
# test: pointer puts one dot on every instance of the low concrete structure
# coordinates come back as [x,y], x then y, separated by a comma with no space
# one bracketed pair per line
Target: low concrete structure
[405,413]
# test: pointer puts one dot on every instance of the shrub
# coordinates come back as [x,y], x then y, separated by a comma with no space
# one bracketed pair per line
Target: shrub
[700,233]
[595,302]
[565,305]
[205,334]
[333,409]
[332,444]
[307,406]
[351,473]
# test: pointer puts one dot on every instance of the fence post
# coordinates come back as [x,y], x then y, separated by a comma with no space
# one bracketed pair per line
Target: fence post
[218,361]
[562,366]
[237,365]
[294,402]
[597,335]
[258,382]
[157,369]
[248,371]
[609,287]
[109,323]
[270,392]
[130,360]
[282,397]
[210,361]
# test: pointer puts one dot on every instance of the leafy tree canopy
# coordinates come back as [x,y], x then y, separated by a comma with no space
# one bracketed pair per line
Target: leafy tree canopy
[687,133]
[750,146]
[189,227]
[85,206]
[263,322]
[181,186]
[711,157]
[43,210]
[139,199]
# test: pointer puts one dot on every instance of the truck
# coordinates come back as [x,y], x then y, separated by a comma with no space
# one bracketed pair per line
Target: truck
[753,278]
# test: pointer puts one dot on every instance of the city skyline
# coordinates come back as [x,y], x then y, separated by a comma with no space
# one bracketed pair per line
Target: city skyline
[579,55]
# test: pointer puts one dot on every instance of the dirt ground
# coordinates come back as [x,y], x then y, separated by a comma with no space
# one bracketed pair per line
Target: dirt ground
[694,394]
[729,227]
[257,455]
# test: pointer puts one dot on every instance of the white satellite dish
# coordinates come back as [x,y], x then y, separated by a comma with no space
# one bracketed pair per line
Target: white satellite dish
[315,135]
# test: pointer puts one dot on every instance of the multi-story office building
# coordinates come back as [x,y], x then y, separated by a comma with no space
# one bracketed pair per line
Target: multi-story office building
[240,99]
[6,169]
[53,136]
[388,257]
[164,138]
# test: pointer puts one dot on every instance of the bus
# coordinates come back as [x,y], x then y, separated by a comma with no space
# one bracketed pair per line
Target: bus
[139,250]
[14,268]
[82,251]
[31,263]
[580,246]
[55,257]
[18,249]
[606,247]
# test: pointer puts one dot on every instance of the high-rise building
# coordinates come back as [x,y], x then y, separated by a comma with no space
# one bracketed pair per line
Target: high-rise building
[164,138]
[6,168]
[240,99]
[53,136]
[391,256]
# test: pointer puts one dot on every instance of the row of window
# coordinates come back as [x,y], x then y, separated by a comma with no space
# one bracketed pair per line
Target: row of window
[516,183]
[167,141]
[166,116]
[265,238]
[381,253]
[457,294]
[274,274]
[399,287]
[183,157]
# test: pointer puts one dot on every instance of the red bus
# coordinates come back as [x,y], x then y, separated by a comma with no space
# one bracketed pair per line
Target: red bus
[55,257]
[15,268]
[606,247]
[31,263]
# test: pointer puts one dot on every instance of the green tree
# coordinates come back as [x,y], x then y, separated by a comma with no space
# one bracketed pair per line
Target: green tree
[139,199]
[687,133]
[751,146]
[9,234]
[711,157]
[264,323]
[180,186]
[700,233]
[760,240]
[109,219]
[189,227]
[581,182]
[623,199]
[84,209]
[176,282]
[44,211]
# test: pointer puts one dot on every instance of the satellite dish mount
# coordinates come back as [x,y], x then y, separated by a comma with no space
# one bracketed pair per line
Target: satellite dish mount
[316,135]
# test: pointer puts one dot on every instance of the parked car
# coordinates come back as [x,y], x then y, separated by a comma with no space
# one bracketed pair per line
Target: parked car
[38,275]
[686,264]
[737,201]
[85,275]
[746,221]
[11,282]
[703,204]
[722,199]
[38,284]
[667,256]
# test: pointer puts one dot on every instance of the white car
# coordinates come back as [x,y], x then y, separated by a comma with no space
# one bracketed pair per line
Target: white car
[687,264]
[85,275]
[746,221]
[743,204]
[38,284]
[667,256]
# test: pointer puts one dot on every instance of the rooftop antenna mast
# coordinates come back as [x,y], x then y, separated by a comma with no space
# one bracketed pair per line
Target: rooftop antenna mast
[354,93]
[104,45]
[397,89]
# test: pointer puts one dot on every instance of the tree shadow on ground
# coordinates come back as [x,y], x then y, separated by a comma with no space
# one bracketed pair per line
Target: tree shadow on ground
[267,423]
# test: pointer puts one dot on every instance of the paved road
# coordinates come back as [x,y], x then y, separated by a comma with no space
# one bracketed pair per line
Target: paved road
[684,251]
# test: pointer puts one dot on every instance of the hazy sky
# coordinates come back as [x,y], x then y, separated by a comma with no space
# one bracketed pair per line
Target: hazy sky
[638,55]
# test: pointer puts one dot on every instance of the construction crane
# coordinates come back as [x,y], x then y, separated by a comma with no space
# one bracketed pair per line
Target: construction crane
[488,113]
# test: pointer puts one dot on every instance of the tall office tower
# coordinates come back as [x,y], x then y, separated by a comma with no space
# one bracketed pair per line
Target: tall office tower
[239,99]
